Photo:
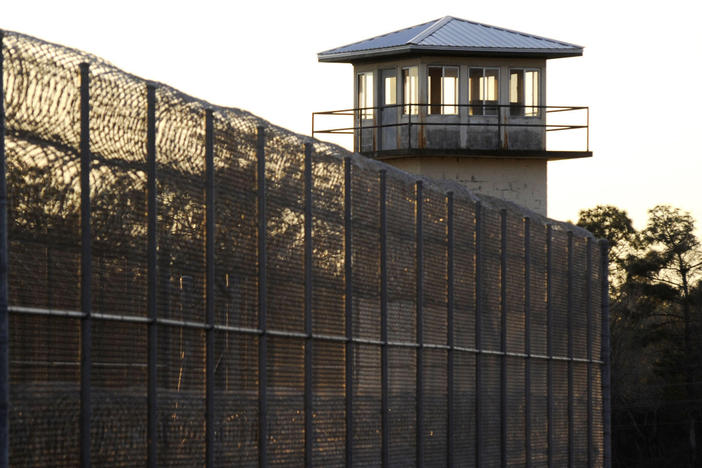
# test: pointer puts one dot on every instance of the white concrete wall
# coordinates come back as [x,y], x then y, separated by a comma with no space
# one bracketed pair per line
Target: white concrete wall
[522,181]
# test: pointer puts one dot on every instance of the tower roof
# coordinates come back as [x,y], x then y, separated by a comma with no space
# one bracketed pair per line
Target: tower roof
[452,36]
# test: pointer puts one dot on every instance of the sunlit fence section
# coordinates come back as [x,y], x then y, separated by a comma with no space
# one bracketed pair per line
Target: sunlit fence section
[190,285]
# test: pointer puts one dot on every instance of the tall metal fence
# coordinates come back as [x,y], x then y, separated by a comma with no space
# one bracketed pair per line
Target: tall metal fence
[189,285]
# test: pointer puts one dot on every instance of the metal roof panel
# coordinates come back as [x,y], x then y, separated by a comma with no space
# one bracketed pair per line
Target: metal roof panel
[393,39]
[452,34]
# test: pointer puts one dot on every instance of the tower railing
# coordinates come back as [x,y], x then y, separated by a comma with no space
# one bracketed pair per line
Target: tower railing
[502,128]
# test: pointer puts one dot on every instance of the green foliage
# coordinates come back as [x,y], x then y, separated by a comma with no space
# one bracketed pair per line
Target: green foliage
[610,223]
[671,229]
[607,222]
[655,322]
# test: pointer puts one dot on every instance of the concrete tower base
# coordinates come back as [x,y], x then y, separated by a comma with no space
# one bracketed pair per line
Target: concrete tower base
[522,181]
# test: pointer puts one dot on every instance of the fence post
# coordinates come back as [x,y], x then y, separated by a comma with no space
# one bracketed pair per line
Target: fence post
[478,334]
[588,308]
[308,306]
[4,300]
[571,414]
[152,400]
[549,341]
[420,326]
[349,310]
[263,340]
[86,270]
[385,421]
[450,330]
[503,335]
[605,356]
[527,337]
[210,290]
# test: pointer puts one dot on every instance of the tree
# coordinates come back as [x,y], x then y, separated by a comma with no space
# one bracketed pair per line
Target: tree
[672,263]
[656,306]
[611,223]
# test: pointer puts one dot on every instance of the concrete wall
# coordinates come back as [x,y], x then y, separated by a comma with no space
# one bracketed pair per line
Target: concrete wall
[522,181]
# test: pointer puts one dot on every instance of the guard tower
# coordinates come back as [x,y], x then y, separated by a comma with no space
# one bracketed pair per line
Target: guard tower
[455,99]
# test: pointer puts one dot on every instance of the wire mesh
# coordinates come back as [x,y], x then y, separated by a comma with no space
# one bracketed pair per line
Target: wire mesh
[256,368]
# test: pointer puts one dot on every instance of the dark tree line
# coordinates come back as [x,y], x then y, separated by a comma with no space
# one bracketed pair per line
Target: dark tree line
[655,321]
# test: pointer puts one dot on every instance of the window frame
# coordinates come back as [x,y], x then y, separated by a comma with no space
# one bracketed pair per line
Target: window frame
[524,110]
[457,89]
[365,114]
[386,88]
[410,108]
[484,103]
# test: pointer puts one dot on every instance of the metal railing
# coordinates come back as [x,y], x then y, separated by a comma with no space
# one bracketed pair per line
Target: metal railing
[501,117]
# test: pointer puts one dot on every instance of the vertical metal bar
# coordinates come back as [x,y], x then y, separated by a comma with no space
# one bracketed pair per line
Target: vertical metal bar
[349,310]
[385,408]
[152,403]
[420,326]
[605,355]
[450,329]
[4,319]
[210,289]
[549,341]
[499,127]
[360,131]
[263,340]
[478,334]
[409,129]
[503,335]
[85,264]
[588,130]
[571,414]
[308,305]
[527,337]
[588,308]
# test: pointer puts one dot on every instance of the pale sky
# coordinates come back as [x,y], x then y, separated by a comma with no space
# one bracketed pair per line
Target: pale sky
[638,73]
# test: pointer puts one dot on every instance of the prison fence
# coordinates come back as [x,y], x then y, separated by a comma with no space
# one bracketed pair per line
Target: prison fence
[190,285]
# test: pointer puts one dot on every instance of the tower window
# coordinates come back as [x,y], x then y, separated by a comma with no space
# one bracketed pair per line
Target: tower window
[524,93]
[410,90]
[443,90]
[365,94]
[390,93]
[483,90]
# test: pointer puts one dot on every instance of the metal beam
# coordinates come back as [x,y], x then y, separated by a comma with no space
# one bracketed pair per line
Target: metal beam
[527,337]
[4,300]
[308,306]
[85,268]
[210,291]
[348,275]
[420,325]
[478,333]
[503,336]
[589,336]
[263,339]
[571,408]
[605,355]
[549,342]
[152,391]
[451,424]
[384,403]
